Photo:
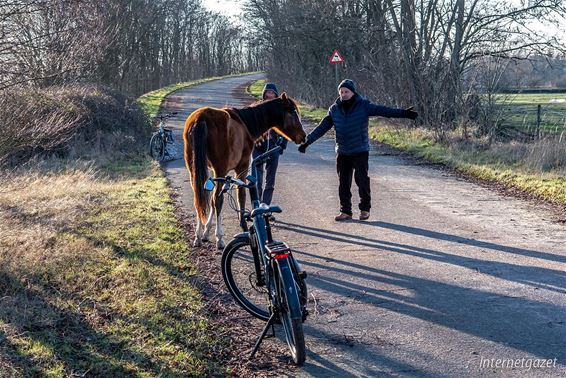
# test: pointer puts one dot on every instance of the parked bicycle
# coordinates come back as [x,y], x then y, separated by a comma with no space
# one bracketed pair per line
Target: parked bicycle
[260,272]
[160,138]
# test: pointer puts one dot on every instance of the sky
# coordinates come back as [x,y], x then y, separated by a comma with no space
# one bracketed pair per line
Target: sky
[233,7]
[228,7]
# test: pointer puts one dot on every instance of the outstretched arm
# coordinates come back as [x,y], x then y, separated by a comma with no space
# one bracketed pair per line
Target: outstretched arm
[384,111]
[324,125]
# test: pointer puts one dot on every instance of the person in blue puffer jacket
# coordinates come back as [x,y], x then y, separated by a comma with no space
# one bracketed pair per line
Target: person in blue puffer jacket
[271,140]
[349,117]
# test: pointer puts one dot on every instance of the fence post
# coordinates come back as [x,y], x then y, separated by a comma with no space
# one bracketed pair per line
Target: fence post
[538,120]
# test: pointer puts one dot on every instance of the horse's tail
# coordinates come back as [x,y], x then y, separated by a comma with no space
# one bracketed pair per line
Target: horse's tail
[198,167]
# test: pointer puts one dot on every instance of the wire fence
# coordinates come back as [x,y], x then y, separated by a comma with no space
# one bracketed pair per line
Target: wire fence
[533,123]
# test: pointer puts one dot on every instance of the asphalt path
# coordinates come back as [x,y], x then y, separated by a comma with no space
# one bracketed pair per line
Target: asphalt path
[445,279]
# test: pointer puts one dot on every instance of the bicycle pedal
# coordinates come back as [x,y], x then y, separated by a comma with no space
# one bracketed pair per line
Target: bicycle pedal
[302,275]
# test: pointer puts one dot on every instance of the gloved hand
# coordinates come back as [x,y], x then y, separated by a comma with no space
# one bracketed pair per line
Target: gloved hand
[410,113]
[303,147]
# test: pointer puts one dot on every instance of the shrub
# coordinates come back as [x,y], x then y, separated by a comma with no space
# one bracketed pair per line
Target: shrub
[75,121]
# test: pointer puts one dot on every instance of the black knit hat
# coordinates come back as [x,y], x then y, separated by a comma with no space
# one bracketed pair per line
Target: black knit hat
[269,87]
[347,83]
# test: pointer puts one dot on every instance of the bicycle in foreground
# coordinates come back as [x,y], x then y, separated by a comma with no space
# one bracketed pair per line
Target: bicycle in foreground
[160,138]
[260,272]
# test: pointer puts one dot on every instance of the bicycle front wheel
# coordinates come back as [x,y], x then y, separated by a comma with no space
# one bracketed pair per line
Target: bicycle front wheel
[240,275]
[290,312]
[157,147]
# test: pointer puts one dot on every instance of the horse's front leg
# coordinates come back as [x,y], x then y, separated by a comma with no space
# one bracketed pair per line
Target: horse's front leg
[219,232]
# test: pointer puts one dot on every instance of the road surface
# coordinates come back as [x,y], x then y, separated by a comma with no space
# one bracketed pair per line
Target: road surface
[445,279]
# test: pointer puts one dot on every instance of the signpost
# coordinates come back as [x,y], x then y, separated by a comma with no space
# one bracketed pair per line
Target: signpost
[336,59]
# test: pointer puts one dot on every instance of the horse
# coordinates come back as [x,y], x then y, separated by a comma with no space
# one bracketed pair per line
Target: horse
[223,139]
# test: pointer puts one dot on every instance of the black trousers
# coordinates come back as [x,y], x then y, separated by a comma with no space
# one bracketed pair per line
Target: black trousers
[346,165]
[266,192]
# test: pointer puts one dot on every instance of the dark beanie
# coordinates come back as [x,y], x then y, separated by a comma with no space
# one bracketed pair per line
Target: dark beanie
[347,83]
[269,87]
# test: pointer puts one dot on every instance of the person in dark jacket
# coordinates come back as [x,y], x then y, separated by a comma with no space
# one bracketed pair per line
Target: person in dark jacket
[270,140]
[349,117]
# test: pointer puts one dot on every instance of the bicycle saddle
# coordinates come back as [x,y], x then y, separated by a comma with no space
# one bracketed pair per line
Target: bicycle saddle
[264,209]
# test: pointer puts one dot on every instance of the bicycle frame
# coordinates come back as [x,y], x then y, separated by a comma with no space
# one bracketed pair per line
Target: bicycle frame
[261,234]
[281,276]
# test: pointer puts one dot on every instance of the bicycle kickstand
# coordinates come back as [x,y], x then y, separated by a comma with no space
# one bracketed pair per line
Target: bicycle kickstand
[270,323]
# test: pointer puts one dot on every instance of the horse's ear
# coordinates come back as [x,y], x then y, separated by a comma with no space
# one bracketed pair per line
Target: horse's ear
[284,96]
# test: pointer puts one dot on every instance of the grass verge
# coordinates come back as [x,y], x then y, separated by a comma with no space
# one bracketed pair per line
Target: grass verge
[97,278]
[96,275]
[495,165]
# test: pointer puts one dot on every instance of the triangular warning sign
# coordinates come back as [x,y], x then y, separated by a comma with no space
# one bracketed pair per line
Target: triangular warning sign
[336,58]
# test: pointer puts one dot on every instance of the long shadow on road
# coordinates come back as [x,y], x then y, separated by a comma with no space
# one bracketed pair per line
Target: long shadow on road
[371,357]
[468,241]
[550,279]
[517,322]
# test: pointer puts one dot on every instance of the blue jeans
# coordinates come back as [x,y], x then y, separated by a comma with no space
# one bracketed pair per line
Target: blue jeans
[266,194]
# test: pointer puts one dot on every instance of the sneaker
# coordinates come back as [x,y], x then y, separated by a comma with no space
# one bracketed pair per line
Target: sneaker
[364,215]
[342,217]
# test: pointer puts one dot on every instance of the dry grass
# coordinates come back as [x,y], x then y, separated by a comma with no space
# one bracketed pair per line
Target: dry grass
[95,278]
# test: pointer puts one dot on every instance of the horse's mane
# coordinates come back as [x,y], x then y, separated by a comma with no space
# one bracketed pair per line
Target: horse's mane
[260,113]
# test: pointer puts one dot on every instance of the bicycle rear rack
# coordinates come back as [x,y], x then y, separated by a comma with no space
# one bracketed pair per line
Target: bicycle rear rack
[277,248]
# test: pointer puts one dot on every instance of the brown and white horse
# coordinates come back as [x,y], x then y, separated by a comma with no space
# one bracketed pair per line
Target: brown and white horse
[223,139]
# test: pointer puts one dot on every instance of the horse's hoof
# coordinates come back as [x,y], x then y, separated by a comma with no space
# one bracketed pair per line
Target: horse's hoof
[205,238]
[220,244]
[197,243]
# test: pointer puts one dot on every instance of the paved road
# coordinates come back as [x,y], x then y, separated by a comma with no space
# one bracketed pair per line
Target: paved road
[444,277]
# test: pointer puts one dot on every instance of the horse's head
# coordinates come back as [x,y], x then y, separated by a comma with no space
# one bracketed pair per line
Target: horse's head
[292,128]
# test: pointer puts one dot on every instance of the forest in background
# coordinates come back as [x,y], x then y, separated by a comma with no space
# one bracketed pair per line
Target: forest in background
[133,46]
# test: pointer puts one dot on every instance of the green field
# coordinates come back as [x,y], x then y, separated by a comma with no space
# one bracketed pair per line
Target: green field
[520,111]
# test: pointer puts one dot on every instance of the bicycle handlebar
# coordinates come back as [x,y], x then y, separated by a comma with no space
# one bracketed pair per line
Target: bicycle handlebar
[265,156]
[230,180]
[161,117]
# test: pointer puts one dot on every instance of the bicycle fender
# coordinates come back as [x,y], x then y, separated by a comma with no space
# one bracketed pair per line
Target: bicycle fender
[291,287]
[242,235]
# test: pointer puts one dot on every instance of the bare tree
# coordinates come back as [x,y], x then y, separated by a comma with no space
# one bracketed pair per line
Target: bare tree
[403,52]
[131,45]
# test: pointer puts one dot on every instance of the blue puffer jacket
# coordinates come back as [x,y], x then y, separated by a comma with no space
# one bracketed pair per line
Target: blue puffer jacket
[352,126]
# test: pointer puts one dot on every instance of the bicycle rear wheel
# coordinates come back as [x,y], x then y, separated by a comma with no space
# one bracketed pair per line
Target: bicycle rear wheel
[290,312]
[239,272]
[157,147]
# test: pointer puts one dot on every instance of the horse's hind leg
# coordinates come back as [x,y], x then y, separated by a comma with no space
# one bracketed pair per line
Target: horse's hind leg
[198,238]
[208,226]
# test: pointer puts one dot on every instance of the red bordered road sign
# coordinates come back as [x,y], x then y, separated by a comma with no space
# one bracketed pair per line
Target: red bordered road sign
[336,58]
